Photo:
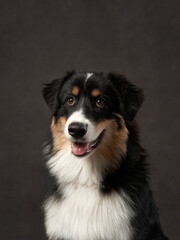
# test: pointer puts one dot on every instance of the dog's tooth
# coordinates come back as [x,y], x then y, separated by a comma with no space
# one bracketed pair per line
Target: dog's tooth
[88,147]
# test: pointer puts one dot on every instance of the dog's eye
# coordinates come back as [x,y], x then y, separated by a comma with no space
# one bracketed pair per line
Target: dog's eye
[71,101]
[100,103]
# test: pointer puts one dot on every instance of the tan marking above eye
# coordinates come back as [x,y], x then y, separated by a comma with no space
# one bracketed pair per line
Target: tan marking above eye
[95,93]
[75,91]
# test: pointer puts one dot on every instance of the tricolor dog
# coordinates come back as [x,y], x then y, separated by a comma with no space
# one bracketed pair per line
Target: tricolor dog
[99,183]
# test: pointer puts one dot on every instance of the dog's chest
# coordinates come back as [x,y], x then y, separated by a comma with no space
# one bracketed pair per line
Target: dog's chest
[84,213]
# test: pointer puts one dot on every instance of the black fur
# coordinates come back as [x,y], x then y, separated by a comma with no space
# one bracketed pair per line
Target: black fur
[123,98]
[132,177]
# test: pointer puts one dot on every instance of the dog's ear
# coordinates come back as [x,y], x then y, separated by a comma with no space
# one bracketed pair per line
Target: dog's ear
[50,94]
[131,96]
[51,91]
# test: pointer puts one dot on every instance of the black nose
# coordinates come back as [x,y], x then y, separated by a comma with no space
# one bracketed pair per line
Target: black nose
[77,130]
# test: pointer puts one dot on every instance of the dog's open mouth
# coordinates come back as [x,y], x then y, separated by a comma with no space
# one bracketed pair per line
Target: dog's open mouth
[84,148]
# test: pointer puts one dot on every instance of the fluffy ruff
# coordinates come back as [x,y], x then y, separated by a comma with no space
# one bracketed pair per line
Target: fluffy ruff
[97,169]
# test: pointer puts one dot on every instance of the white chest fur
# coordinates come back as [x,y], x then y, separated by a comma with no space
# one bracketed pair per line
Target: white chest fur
[84,213]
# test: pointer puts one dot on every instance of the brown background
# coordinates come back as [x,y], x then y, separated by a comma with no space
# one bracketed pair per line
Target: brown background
[40,40]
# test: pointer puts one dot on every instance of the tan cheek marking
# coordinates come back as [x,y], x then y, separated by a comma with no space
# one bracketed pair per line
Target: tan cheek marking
[114,141]
[95,93]
[59,139]
[75,91]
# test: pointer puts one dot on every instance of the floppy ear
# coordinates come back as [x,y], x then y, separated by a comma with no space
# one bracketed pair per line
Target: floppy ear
[51,90]
[131,96]
[50,93]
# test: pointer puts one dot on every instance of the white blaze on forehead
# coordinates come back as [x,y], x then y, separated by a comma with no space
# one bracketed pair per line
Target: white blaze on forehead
[79,117]
[88,76]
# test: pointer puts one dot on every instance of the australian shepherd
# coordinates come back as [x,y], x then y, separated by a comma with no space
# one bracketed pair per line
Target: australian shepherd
[97,167]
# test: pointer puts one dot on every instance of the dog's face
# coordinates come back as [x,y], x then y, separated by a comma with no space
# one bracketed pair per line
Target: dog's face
[91,112]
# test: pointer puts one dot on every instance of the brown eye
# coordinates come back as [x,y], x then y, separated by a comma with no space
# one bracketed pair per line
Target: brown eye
[71,100]
[100,102]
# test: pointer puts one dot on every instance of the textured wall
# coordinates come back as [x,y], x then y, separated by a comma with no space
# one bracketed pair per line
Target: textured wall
[40,40]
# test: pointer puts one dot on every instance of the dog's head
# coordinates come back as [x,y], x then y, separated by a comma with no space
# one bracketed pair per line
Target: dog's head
[91,112]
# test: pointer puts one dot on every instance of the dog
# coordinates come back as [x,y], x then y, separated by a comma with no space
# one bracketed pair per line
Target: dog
[97,167]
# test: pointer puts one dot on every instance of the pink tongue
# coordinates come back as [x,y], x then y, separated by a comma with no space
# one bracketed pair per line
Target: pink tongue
[79,148]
